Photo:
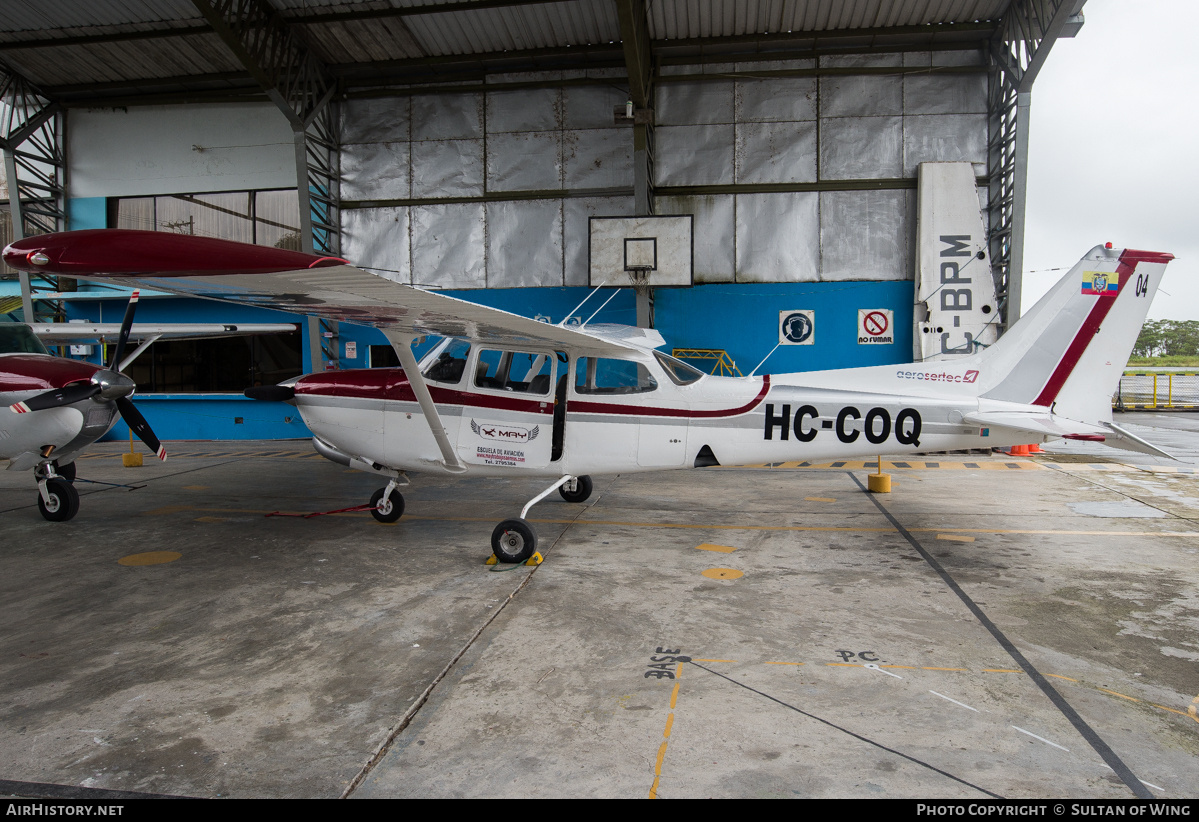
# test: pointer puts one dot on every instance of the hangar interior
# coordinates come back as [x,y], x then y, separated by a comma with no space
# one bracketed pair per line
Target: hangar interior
[465,145]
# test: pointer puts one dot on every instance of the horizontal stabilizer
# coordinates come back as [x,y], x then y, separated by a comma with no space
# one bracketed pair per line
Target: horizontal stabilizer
[1040,424]
[1122,438]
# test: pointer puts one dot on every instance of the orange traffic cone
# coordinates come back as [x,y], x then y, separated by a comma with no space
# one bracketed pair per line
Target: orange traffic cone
[1019,451]
[1033,448]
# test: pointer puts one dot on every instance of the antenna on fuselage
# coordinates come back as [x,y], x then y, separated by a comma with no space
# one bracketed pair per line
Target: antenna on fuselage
[580,305]
[764,359]
[615,291]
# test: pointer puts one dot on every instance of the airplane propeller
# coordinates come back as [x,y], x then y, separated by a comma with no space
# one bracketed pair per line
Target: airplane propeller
[109,385]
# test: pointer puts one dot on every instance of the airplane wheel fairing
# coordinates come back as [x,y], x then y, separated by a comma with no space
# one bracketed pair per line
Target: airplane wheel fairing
[583,487]
[64,501]
[388,510]
[513,541]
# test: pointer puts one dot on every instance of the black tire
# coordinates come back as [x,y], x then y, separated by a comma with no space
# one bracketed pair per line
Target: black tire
[513,541]
[387,511]
[67,471]
[583,488]
[64,501]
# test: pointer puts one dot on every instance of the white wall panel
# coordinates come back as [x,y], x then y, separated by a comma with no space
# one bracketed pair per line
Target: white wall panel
[856,148]
[376,171]
[775,99]
[693,155]
[682,104]
[448,248]
[865,235]
[597,158]
[592,107]
[861,96]
[524,110]
[778,237]
[524,244]
[447,117]
[377,239]
[776,152]
[945,138]
[945,94]
[380,120]
[713,233]
[527,161]
[150,150]
[447,168]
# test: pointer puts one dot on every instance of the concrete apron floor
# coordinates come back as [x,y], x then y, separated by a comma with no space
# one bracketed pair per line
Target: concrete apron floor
[1014,632]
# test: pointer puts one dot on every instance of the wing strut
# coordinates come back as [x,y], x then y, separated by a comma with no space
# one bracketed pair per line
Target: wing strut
[402,343]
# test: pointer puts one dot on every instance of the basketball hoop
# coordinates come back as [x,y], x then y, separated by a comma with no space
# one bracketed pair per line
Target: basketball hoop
[639,277]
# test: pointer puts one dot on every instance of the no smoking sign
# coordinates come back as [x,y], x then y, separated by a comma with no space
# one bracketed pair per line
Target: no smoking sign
[875,326]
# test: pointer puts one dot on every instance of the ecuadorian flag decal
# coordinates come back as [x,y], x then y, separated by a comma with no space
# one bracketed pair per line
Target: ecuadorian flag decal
[1100,283]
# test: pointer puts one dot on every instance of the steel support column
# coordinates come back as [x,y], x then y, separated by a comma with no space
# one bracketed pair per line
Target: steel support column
[1018,51]
[31,140]
[635,40]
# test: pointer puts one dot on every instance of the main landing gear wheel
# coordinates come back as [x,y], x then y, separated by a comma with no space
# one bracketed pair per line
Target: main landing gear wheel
[513,541]
[387,510]
[64,500]
[582,489]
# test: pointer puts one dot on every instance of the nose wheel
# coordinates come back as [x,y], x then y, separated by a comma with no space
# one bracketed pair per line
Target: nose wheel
[387,507]
[513,540]
[57,499]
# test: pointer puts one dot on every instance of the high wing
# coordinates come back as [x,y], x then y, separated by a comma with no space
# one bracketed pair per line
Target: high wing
[298,283]
[83,333]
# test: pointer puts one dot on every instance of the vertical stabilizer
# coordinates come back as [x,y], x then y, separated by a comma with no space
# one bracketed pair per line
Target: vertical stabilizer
[1068,353]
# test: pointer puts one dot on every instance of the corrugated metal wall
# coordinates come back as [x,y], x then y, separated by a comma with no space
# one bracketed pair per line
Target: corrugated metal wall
[795,171]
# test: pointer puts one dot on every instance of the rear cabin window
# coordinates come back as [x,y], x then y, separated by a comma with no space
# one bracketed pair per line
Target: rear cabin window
[602,375]
[514,371]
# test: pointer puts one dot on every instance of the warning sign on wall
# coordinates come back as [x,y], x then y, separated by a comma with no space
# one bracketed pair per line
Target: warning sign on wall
[876,326]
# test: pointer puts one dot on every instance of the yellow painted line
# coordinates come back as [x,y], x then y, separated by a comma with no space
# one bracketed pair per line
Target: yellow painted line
[669,723]
[961,670]
[723,549]
[1000,671]
[1059,676]
[1122,696]
[905,667]
[658,763]
[820,499]
[955,537]
[722,573]
[842,665]
[674,695]
[784,663]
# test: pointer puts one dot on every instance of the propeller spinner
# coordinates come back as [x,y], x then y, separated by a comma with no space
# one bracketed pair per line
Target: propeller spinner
[106,385]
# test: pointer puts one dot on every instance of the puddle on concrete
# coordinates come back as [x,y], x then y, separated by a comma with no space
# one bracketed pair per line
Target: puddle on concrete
[1122,508]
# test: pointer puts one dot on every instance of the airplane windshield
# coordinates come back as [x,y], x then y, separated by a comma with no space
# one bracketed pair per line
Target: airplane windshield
[678,370]
[448,362]
[17,338]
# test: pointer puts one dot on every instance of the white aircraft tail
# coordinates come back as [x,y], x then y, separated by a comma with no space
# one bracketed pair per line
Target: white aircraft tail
[1068,352]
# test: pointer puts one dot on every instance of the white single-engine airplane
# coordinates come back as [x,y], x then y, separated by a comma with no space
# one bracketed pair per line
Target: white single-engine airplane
[504,395]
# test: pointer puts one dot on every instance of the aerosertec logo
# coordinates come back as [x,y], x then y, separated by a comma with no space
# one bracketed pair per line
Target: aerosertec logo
[937,376]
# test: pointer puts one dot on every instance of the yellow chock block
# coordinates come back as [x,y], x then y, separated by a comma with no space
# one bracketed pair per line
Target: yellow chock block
[535,559]
[879,483]
[132,460]
[491,560]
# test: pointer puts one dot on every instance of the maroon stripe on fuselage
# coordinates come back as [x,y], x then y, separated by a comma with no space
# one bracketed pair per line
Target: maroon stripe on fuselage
[584,407]
[41,372]
[392,384]
[1090,326]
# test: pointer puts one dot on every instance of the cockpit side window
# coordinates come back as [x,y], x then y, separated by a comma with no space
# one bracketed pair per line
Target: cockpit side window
[449,364]
[17,338]
[604,375]
[677,370]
